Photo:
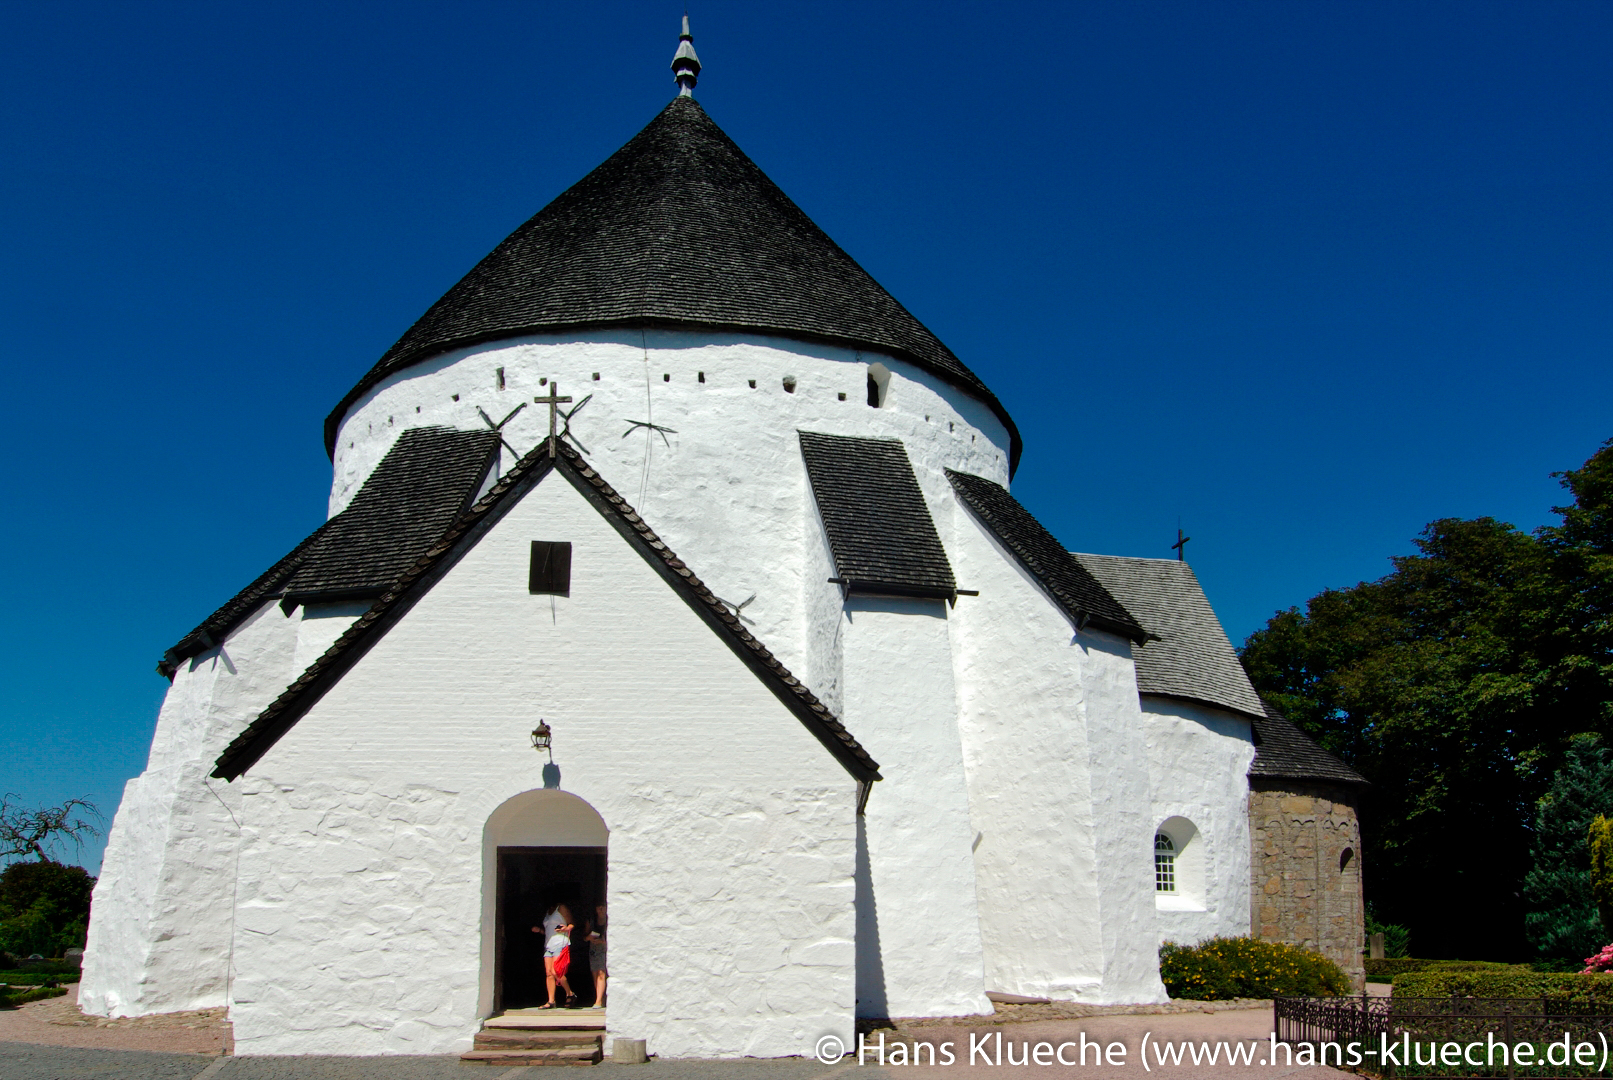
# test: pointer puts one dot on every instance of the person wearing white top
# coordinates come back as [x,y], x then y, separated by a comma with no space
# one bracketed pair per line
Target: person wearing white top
[556,931]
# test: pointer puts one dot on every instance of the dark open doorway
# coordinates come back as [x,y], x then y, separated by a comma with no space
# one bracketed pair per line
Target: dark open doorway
[530,879]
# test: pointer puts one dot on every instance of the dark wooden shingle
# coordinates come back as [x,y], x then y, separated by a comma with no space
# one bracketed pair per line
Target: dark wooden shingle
[676,228]
[880,531]
[1070,585]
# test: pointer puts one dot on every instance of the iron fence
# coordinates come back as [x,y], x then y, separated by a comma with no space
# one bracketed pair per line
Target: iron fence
[1533,1038]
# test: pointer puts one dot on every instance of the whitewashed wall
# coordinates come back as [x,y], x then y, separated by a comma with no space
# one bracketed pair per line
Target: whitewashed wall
[726,488]
[362,882]
[1198,763]
[1057,786]
[160,924]
[919,951]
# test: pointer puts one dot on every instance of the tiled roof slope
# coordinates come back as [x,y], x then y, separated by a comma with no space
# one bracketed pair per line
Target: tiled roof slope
[217,626]
[429,568]
[1192,657]
[1075,590]
[879,527]
[426,480]
[1283,751]
[678,227]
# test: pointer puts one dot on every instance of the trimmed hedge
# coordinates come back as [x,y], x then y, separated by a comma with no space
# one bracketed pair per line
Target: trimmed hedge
[16,965]
[34,978]
[1509,982]
[22,997]
[1388,970]
[1247,967]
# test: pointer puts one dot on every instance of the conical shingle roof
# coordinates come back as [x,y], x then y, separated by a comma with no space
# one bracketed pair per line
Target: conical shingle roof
[677,228]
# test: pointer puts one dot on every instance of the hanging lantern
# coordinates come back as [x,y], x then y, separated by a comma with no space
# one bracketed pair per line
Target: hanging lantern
[541,736]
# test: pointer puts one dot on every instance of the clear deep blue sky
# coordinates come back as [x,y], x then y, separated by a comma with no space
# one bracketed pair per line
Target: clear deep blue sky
[1304,276]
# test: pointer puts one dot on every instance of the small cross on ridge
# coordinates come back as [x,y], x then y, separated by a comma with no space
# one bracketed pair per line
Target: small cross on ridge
[554,401]
[1180,547]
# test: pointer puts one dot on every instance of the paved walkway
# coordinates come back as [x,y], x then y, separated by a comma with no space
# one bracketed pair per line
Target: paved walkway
[105,1052]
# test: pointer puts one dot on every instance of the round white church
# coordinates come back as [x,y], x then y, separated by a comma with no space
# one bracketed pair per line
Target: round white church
[837,728]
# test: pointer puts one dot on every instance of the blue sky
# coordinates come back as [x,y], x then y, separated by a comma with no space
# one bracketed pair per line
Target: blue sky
[1303,276]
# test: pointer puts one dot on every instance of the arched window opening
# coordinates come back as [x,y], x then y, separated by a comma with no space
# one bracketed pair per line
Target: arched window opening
[1164,864]
[879,381]
[1344,859]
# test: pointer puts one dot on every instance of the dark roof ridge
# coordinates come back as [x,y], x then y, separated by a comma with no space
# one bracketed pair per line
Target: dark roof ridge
[1082,597]
[677,228]
[428,477]
[281,714]
[218,626]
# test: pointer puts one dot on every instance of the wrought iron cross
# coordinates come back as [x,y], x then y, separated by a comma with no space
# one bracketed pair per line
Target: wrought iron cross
[1180,547]
[499,427]
[554,401]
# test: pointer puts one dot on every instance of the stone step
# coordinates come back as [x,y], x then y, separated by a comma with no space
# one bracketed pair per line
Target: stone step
[561,1056]
[529,1039]
[540,1019]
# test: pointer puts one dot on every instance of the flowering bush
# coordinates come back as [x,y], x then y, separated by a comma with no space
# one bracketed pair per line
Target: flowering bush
[1247,967]
[1602,961]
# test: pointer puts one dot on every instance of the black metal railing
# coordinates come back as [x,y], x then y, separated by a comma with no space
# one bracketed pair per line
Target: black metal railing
[1450,1037]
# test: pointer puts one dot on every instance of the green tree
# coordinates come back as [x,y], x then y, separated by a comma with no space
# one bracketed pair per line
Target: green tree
[1454,685]
[44,908]
[1560,910]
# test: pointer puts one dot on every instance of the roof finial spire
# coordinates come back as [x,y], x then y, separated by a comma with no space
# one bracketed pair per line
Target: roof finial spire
[685,64]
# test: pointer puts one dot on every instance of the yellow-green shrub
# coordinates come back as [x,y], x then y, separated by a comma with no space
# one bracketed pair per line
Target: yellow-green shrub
[1247,967]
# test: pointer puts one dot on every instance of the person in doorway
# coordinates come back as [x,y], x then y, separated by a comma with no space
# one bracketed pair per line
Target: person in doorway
[596,955]
[556,931]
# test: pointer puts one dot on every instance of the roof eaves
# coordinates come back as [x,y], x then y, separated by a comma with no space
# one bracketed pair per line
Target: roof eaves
[1080,613]
[404,360]
[217,627]
[1196,700]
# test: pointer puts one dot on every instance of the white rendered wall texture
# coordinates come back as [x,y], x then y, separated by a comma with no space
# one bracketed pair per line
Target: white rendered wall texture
[725,486]
[160,933]
[1198,761]
[1057,787]
[363,875]
[918,926]
[362,884]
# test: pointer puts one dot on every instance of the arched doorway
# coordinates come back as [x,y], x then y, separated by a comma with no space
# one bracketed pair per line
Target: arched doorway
[539,848]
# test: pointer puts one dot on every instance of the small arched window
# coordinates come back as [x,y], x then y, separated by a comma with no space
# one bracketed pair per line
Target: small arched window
[1164,863]
[1344,859]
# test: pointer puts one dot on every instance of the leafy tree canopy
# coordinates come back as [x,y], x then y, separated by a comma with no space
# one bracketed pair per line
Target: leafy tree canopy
[1455,685]
[44,908]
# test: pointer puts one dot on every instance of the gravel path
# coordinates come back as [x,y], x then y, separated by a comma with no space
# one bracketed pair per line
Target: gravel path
[52,1040]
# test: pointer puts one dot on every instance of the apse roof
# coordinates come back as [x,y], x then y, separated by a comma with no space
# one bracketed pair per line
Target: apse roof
[1283,751]
[1189,656]
[880,531]
[1071,586]
[677,228]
